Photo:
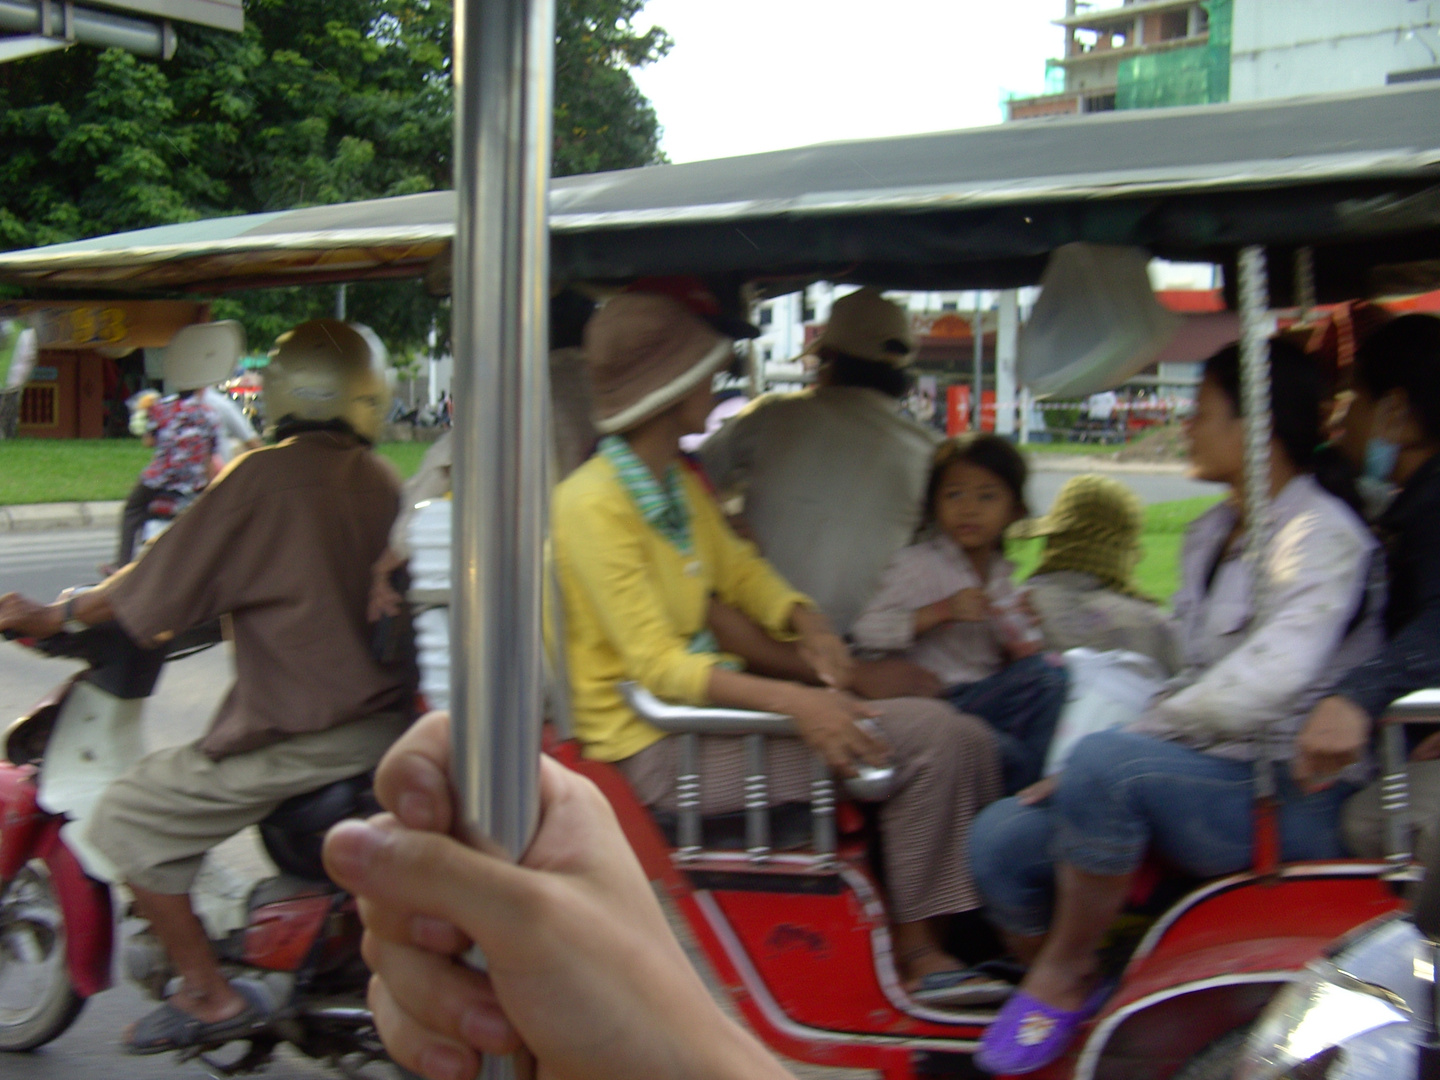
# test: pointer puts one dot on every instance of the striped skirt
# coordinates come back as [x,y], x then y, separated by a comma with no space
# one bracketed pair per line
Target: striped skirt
[949,771]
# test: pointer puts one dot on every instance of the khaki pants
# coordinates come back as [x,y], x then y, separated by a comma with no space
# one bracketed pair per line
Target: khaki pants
[1363,825]
[949,771]
[157,821]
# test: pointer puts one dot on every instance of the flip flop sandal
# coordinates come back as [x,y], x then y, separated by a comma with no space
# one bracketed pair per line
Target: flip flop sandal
[968,986]
[1028,1034]
[172,1028]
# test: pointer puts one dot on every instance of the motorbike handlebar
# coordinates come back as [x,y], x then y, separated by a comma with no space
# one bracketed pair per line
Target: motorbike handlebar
[101,643]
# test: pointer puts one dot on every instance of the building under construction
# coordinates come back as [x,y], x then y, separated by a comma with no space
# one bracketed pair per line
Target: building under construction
[1143,54]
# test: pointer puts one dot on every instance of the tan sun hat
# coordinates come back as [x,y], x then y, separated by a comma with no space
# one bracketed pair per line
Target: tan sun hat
[868,327]
[1094,528]
[646,352]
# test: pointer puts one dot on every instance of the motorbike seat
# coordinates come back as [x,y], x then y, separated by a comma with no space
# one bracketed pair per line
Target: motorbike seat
[295,831]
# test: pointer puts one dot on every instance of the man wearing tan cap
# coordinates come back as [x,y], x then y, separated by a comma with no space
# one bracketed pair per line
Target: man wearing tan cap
[834,478]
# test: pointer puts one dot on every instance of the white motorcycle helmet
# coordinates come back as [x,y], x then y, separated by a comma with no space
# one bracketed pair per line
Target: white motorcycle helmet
[202,354]
[326,370]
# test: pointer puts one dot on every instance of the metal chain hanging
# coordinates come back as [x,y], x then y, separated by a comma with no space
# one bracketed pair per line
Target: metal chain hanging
[1255,329]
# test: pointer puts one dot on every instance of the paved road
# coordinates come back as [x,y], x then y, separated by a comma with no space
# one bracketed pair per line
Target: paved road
[40,564]
[1150,487]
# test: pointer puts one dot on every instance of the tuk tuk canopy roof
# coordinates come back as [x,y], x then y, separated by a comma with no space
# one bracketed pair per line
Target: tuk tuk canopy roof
[1356,176]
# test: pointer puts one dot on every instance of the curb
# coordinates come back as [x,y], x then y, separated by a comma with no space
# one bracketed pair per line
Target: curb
[1083,463]
[37,517]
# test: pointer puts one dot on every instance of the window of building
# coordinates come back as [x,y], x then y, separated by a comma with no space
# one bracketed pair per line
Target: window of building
[40,405]
[767,353]
[766,315]
[1174,24]
[949,305]
[1100,103]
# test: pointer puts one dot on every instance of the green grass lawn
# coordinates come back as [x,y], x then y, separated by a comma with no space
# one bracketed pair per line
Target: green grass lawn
[1159,570]
[1061,447]
[91,470]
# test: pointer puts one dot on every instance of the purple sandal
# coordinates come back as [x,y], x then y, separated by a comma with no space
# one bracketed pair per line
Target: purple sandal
[1027,1034]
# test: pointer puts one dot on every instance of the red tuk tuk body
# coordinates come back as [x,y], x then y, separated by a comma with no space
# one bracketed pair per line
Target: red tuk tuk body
[804,953]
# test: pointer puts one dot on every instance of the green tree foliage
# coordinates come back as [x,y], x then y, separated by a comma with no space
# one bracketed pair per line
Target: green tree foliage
[318,101]
[602,121]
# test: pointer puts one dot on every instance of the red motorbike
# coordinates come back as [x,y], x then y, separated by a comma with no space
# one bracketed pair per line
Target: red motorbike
[296,932]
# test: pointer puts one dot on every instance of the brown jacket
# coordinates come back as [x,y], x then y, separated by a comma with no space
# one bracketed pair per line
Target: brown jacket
[282,543]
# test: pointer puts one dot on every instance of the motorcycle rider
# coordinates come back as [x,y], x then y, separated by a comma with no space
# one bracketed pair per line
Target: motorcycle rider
[282,546]
[183,428]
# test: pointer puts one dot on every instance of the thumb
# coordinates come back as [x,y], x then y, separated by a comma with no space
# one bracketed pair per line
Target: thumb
[426,873]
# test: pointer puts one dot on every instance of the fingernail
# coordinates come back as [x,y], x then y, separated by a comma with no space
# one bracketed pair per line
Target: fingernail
[443,1063]
[484,1029]
[417,811]
[352,846]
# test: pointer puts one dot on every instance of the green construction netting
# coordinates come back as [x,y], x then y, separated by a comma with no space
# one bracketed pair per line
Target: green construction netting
[1198,75]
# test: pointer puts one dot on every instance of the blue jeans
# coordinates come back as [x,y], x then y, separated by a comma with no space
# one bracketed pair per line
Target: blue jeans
[1123,794]
[1022,704]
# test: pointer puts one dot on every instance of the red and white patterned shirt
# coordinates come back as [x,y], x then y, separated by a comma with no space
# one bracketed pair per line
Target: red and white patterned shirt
[186,437]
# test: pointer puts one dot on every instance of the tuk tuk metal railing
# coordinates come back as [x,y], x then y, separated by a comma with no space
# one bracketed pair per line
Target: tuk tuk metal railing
[689,723]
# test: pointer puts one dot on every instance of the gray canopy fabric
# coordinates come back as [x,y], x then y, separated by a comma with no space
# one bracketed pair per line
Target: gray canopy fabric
[1356,175]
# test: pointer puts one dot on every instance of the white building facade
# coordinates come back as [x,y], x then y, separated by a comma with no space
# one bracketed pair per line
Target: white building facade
[1288,48]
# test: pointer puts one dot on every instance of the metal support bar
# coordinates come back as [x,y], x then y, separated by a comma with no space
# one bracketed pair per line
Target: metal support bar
[687,798]
[66,23]
[1305,280]
[822,815]
[502,76]
[503,80]
[757,800]
[1395,797]
[978,333]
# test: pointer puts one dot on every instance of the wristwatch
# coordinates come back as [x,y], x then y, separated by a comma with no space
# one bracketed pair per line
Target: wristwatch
[68,622]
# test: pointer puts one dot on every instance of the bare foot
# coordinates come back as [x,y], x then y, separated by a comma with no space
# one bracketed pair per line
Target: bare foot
[930,960]
[1063,988]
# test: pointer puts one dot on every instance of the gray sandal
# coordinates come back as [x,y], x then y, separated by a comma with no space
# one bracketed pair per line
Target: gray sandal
[964,987]
[172,1028]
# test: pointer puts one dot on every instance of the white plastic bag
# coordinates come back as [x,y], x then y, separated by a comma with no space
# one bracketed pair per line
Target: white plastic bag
[1107,690]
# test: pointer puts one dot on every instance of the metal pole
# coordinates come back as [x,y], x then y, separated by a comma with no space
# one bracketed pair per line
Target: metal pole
[503,84]
[978,332]
[1007,337]
[756,366]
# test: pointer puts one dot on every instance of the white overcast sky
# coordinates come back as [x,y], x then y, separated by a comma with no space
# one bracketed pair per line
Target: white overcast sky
[752,75]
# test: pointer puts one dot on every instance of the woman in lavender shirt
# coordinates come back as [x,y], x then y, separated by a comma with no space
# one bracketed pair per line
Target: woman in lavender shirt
[1055,863]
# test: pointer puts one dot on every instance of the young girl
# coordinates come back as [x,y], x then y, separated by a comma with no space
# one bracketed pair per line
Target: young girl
[947,603]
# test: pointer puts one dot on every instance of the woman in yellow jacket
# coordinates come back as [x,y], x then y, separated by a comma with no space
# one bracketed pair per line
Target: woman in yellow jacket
[643,552]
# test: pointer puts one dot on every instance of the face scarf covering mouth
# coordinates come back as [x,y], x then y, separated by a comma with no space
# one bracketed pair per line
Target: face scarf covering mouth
[1380,457]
